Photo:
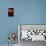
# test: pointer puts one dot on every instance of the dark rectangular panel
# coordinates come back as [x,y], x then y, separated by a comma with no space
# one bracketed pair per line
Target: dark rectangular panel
[10,12]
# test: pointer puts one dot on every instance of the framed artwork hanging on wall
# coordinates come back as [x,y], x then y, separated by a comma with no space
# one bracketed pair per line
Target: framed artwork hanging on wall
[10,12]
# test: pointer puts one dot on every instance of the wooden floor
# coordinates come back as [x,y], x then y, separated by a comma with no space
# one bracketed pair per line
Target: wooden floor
[30,43]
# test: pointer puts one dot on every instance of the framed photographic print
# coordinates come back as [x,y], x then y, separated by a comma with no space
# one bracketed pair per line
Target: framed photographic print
[33,32]
[10,12]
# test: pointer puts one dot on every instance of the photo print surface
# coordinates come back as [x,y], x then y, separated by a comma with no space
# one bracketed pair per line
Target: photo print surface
[10,12]
[33,32]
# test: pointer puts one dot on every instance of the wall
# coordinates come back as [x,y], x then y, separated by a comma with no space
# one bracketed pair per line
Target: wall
[26,12]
